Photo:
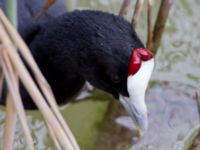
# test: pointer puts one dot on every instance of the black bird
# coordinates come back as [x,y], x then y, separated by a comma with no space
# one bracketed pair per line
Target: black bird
[73,47]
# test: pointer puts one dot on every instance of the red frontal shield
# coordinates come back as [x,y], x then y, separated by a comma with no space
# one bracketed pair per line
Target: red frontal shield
[137,56]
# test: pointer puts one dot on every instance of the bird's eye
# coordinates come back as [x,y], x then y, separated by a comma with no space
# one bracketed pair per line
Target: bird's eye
[115,79]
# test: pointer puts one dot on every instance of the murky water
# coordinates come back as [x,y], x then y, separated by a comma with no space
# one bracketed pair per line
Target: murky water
[173,114]
[172,109]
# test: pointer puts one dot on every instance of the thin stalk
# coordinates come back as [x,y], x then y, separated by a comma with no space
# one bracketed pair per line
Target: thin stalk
[125,8]
[1,79]
[46,6]
[34,91]
[10,118]
[160,24]
[10,123]
[137,12]
[12,85]
[149,23]
[40,79]
[11,11]
[53,137]
[198,98]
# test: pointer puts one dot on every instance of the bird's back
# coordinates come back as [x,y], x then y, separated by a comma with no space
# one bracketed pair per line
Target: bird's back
[28,27]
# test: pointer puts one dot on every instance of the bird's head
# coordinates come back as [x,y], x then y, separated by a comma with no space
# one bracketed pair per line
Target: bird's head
[128,84]
[116,61]
[139,71]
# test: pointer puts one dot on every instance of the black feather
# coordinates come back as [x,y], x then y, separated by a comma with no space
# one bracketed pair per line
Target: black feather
[79,46]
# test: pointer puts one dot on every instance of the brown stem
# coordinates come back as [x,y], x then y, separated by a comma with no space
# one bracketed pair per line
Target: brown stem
[198,98]
[13,88]
[125,8]
[149,23]
[46,6]
[51,114]
[1,80]
[10,122]
[160,24]
[11,115]
[40,79]
[137,12]
[54,138]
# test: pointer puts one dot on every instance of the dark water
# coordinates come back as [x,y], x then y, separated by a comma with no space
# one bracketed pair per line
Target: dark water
[172,107]
[173,115]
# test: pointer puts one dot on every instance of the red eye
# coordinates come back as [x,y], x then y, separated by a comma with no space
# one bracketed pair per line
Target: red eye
[115,79]
[144,53]
[134,64]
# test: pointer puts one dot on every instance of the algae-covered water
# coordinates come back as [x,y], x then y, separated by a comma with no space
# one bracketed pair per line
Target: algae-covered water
[172,107]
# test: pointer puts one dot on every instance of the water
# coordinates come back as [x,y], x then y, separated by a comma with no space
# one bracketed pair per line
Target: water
[178,56]
[172,109]
[172,113]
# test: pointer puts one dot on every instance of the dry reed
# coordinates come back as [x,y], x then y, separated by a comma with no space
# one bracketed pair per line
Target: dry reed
[14,70]
[46,6]
[125,8]
[154,34]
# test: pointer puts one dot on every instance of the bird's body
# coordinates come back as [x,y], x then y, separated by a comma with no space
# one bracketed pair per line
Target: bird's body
[73,47]
[62,46]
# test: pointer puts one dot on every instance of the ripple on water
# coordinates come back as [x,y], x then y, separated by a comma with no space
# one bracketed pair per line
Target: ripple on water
[172,114]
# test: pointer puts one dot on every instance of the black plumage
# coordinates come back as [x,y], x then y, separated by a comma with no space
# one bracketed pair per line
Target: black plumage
[73,47]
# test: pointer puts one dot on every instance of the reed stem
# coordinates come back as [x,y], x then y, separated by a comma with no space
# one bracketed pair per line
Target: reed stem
[149,23]
[11,11]
[125,8]
[137,12]
[160,24]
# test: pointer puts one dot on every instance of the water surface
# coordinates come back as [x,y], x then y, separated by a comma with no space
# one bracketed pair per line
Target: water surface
[172,109]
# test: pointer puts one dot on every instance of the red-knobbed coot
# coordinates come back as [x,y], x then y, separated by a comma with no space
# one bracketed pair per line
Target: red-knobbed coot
[73,47]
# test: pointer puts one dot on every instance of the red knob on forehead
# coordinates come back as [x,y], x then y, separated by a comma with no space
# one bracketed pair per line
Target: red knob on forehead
[144,53]
[135,63]
[137,56]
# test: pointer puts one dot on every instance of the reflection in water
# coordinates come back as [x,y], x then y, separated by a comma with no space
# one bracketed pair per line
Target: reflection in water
[37,127]
[172,113]
[178,58]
